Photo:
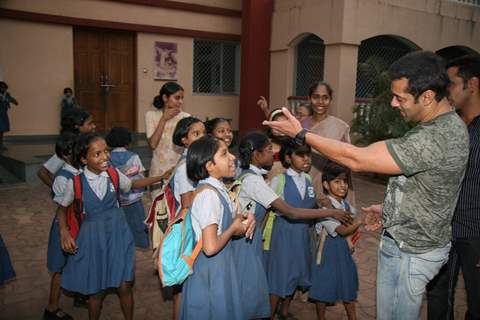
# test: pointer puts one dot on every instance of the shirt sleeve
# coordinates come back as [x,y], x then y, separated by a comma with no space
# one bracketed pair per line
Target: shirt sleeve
[258,190]
[124,182]
[65,197]
[207,209]
[58,186]
[330,225]
[150,124]
[182,184]
[274,183]
[54,164]
[417,151]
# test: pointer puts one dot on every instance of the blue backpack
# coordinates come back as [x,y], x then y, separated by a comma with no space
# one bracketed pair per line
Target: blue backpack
[178,249]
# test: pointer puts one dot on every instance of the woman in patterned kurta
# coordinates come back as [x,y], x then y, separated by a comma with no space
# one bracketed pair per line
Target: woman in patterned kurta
[324,125]
[160,124]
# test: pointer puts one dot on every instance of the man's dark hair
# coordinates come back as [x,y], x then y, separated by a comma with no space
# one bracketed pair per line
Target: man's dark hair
[468,67]
[424,71]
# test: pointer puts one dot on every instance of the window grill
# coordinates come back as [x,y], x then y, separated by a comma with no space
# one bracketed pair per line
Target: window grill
[309,63]
[216,66]
[375,55]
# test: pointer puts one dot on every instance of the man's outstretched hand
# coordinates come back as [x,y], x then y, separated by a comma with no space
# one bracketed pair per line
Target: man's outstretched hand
[289,127]
[373,216]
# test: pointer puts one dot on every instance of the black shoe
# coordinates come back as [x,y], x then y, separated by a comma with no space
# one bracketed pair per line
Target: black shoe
[80,301]
[58,314]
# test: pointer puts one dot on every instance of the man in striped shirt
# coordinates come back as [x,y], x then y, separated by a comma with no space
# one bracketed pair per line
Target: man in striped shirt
[464,94]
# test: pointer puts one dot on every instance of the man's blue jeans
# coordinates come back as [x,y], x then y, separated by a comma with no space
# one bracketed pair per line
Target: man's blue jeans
[402,278]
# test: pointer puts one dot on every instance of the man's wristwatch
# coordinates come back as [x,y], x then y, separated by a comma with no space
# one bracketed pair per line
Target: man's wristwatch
[300,137]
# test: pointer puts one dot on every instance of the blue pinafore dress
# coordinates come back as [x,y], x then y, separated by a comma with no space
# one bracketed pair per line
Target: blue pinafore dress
[106,250]
[289,261]
[6,269]
[212,291]
[56,257]
[250,261]
[5,101]
[134,212]
[336,278]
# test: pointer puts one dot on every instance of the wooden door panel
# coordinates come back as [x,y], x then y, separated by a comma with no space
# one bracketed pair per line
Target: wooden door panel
[120,107]
[104,57]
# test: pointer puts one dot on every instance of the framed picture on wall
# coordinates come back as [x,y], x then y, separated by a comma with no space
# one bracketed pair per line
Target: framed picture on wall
[165,61]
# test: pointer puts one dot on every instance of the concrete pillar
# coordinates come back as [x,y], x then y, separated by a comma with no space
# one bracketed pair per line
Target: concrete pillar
[341,73]
[255,68]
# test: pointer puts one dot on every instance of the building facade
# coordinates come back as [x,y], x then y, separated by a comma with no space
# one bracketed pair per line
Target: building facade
[227,53]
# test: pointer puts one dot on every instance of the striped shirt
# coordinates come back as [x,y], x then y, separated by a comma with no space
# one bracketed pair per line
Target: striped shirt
[466,219]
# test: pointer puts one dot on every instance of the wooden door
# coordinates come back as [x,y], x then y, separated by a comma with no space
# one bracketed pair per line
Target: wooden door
[104,76]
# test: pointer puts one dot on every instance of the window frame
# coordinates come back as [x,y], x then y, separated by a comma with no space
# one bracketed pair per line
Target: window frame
[236,83]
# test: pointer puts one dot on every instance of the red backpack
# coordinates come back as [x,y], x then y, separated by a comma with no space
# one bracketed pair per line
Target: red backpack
[75,213]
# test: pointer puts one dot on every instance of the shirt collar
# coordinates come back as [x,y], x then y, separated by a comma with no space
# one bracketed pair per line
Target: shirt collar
[93,176]
[119,149]
[294,173]
[184,153]
[214,182]
[258,170]
[335,203]
[70,168]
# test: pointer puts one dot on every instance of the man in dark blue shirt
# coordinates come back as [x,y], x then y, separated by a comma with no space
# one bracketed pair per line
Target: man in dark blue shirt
[464,94]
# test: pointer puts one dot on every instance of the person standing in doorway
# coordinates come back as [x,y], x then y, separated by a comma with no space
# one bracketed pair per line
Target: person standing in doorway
[5,100]
[464,94]
[427,166]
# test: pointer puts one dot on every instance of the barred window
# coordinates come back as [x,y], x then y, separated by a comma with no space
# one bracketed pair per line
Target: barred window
[309,63]
[216,67]
[375,55]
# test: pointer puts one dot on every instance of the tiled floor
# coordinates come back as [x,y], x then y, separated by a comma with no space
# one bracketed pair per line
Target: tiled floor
[25,216]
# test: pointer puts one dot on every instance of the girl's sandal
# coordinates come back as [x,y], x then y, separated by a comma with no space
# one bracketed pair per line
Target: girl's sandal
[58,314]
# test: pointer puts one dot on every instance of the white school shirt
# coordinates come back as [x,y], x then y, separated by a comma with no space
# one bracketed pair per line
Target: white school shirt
[98,183]
[330,224]
[54,164]
[255,190]
[60,183]
[299,178]
[181,183]
[207,208]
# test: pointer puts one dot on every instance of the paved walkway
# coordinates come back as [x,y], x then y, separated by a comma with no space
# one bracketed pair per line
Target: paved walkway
[25,217]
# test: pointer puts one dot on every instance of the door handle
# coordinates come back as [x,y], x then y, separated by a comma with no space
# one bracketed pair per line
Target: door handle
[107,85]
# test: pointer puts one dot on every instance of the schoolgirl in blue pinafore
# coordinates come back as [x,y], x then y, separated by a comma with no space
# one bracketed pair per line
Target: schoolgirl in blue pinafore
[336,278]
[5,100]
[213,291]
[56,257]
[249,257]
[130,164]
[6,269]
[289,260]
[106,250]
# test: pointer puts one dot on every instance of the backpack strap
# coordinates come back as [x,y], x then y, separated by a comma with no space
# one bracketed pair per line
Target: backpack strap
[270,216]
[113,174]
[77,200]
[198,247]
